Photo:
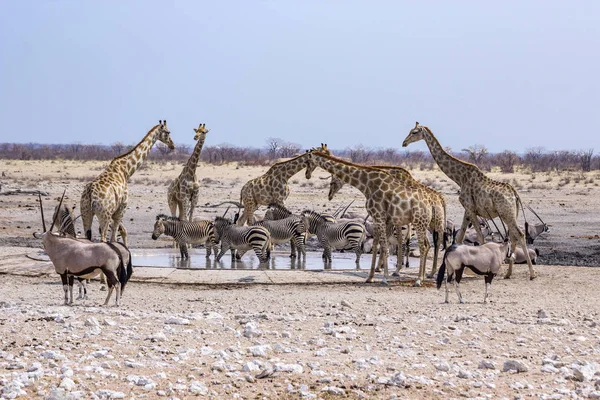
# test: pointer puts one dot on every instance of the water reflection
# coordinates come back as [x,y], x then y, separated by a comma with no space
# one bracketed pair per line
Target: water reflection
[280,260]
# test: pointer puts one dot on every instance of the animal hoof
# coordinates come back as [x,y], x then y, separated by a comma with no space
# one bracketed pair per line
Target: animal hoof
[506,276]
[103,288]
[396,273]
[384,283]
[417,283]
[532,277]
[429,276]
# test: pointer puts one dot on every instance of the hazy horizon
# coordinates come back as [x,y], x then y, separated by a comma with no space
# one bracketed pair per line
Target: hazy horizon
[511,75]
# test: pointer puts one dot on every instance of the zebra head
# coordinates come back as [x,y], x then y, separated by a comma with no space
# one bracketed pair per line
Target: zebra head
[159,226]
[221,223]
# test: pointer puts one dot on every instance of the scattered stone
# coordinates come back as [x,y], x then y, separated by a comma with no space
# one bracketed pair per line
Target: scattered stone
[173,320]
[514,365]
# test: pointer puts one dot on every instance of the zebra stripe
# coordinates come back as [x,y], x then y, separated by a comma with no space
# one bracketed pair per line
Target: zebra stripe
[243,238]
[185,232]
[339,235]
[290,229]
[64,219]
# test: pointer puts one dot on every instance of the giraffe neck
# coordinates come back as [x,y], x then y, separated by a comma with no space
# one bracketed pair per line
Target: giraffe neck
[455,169]
[192,163]
[351,174]
[129,162]
[287,169]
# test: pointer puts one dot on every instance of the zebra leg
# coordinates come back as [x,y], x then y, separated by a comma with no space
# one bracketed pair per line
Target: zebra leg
[184,251]
[358,251]
[301,246]
[293,247]
[224,249]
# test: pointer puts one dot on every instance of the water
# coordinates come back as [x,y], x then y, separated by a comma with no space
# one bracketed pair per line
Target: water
[171,258]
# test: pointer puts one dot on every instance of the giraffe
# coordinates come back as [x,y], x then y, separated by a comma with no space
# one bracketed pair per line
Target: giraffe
[479,195]
[389,204]
[183,191]
[272,187]
[432,197]
[106,196]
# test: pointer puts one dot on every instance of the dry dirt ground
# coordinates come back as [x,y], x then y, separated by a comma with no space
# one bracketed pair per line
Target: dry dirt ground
[535,339]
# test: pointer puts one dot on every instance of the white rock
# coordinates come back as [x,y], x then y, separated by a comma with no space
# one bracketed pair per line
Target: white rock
[109,394]
[486,364]
[251,330]
[398,379]
[158,337]
[198,388]
[294,368]
[174,320]
[465,374]
[99,353]
[16,365]
[92,322]
[550,369]
[442,366]
[514,365]
[109,322]
[206,350]
[250,366]
[259,351]
[67,384]
[333,390]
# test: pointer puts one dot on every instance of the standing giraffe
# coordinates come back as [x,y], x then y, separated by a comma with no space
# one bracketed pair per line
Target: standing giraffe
[272,187]
[479,195]
[106,196]
[389,204]
[183,191]
[434,198]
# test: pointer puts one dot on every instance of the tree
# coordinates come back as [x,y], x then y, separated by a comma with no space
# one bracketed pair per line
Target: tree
[476,153]
[586,159]
[273,146]
[288,149]
[118,148]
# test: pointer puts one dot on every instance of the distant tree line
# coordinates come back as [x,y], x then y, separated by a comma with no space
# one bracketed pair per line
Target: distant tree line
[535,159]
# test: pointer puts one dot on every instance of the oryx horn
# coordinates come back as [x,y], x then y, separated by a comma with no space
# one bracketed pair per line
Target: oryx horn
[536,214]
[59,205]
[42,210]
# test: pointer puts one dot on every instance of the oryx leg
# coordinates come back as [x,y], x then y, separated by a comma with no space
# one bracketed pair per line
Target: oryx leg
[457,278]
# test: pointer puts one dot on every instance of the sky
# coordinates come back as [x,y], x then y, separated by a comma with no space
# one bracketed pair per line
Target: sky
[508,74]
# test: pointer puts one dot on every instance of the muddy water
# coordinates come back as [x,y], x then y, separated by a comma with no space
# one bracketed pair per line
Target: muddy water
[170,258]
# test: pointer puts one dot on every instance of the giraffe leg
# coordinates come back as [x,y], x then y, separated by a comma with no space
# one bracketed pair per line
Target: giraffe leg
[373,256]
[436,249]
[193,203]
[463,228]
[399,250]
[248,213]
[384,255]
[423,249]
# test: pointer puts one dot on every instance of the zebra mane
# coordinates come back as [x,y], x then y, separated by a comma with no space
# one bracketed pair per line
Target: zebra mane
[167,218]
[279,207]
[314,214]
[218,218]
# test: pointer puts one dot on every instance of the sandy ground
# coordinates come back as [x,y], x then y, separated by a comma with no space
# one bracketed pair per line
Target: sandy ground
[307,340]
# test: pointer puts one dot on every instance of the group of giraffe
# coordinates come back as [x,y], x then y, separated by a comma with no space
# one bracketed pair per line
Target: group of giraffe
[393,198]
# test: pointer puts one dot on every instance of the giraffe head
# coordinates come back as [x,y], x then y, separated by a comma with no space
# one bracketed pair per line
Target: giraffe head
[164,134]
[334,186]
[414,135]
[201,129]
[310,164]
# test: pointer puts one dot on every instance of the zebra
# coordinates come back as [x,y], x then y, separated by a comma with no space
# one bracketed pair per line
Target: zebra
[234,237]
[185,232]
[64,219]
[289,229]
[338,235]
[277,212]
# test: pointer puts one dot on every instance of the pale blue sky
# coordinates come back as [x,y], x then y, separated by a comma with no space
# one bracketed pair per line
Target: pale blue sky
[505,74]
